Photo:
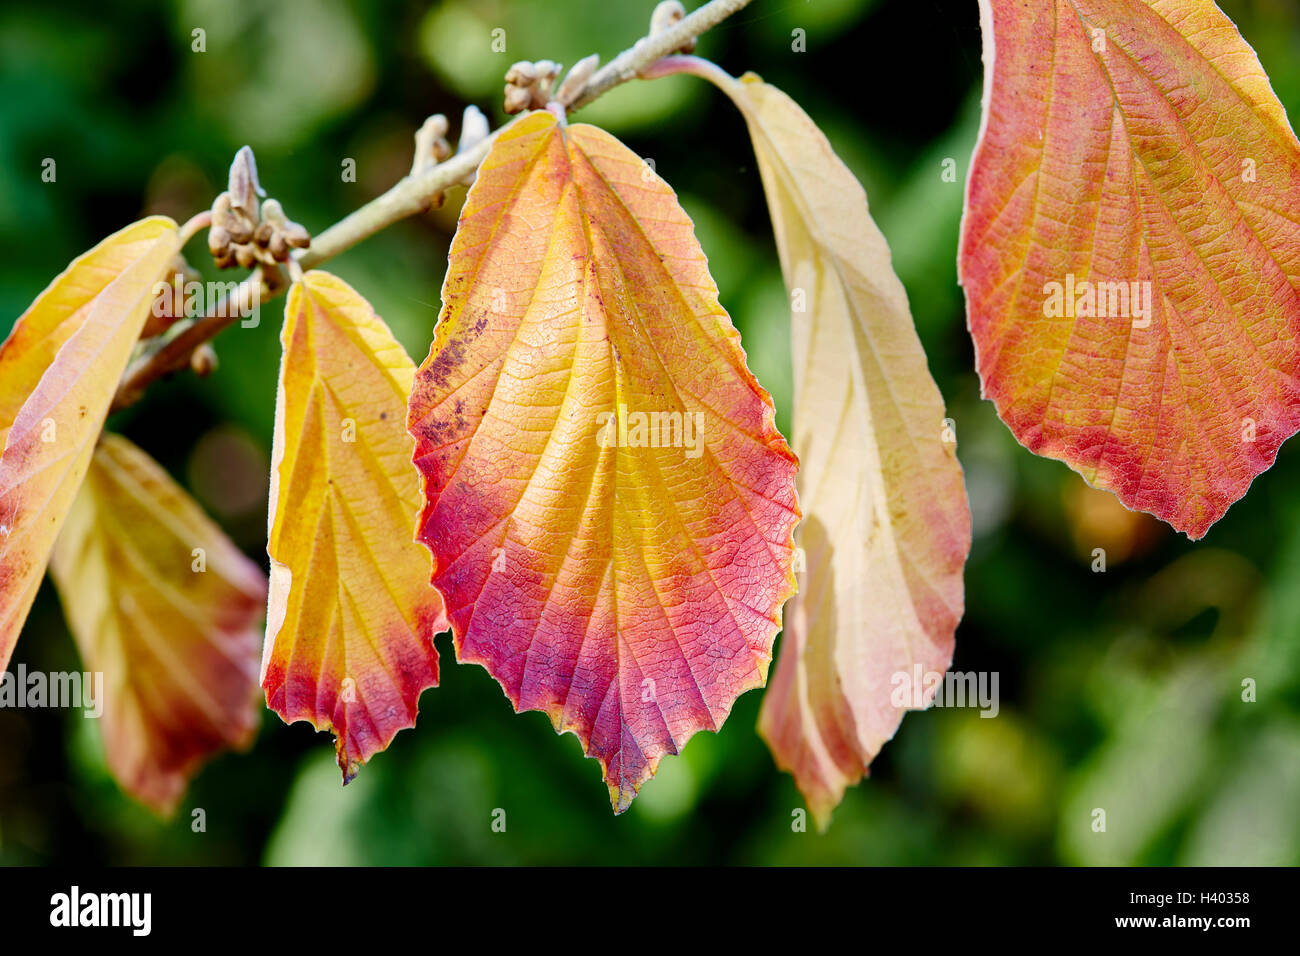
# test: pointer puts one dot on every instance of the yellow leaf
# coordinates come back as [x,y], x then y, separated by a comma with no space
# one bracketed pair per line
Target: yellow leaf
[59,369]
[886,526]
[352,615]
[166,608]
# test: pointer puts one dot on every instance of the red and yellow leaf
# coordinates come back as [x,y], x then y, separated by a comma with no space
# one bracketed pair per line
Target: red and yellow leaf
[349,633]
[59,370]
[1130,249]
[628,585]
[168,609]
[886,526]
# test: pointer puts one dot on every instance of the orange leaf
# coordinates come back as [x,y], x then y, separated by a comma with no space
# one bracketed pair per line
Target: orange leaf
[886,526]
[59,369]
[626,581]
[167,609]
[349,634]
[1130,250]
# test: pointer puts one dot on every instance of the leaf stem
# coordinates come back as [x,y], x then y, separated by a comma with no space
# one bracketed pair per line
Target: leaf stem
[194,225]
[409,197]
[692,65]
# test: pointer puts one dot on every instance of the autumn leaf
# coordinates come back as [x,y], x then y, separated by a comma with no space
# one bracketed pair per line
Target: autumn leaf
[609,504]
[59,369]
[1130,250]
[349,634]
[886,526]
[167,609]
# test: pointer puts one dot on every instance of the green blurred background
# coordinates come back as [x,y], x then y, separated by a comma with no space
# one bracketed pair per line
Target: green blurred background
[1120,690]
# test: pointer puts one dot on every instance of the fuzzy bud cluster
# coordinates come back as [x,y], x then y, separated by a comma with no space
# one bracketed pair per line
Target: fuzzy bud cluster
[529,85]
[246,231]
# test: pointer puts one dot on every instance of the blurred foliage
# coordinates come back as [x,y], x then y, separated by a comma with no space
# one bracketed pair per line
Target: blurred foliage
[1121,691]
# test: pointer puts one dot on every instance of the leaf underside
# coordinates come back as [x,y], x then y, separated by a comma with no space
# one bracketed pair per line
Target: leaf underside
[886,526]
[168,610]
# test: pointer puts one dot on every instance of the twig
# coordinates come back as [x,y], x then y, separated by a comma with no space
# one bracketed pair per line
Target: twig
[631,62]
[410,196]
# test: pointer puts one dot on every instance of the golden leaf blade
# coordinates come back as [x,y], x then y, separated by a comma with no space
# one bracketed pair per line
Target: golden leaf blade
[349,637]
[59,369]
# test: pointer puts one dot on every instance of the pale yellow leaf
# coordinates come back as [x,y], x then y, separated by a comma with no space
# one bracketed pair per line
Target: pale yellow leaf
[166,608]
[886,525]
